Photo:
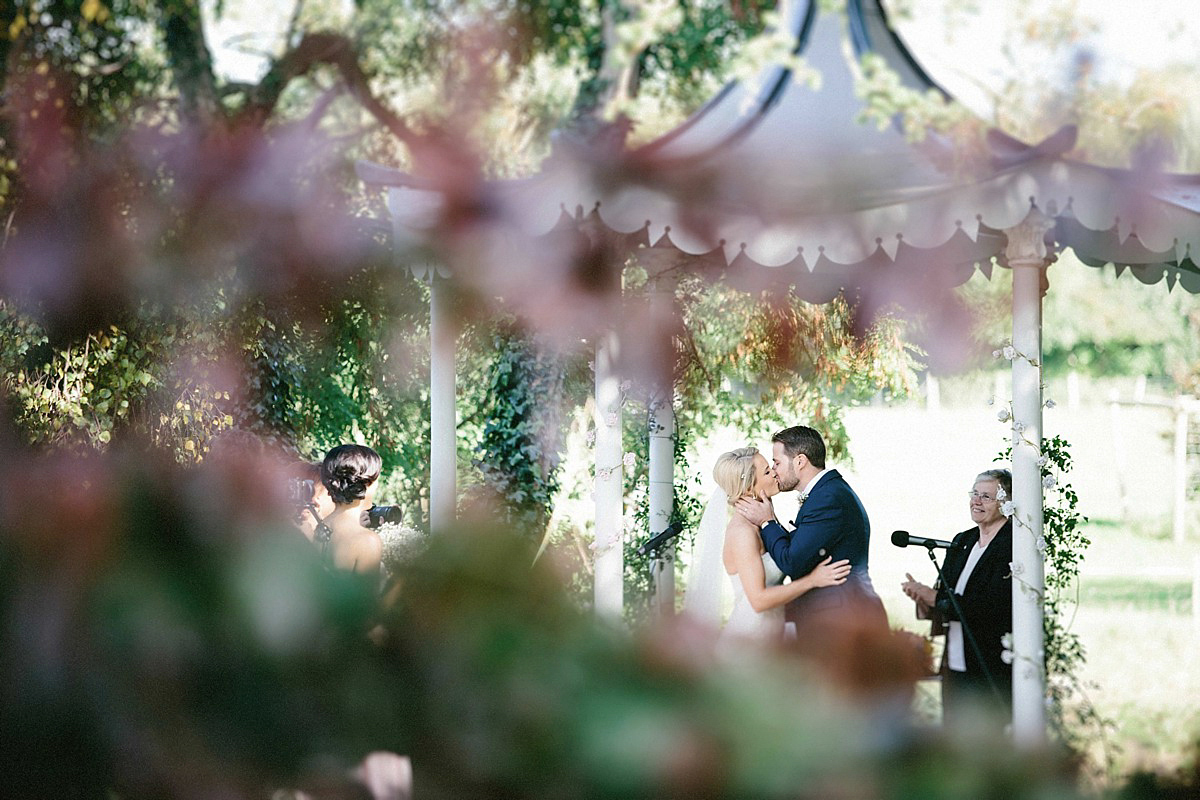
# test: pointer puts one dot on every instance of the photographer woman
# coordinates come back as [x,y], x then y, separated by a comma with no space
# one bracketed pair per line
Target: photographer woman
[349,473]
[312,502]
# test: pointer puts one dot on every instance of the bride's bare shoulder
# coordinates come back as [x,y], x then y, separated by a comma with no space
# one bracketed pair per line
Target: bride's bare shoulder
[740,527]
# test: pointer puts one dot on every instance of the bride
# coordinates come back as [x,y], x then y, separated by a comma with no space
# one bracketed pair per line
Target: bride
[728,547]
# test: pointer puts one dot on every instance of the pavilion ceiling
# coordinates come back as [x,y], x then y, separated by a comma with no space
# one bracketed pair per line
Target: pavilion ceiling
[777,181]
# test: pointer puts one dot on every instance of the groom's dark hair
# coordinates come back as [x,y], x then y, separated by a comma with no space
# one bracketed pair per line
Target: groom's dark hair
[800,439]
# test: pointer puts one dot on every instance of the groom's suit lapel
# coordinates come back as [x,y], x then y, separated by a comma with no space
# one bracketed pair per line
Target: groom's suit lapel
[821,486]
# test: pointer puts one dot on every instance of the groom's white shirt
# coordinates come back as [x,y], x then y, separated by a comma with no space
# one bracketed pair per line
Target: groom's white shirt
[809,486]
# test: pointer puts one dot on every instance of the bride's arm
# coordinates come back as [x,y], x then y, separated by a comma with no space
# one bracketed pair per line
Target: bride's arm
[746,558]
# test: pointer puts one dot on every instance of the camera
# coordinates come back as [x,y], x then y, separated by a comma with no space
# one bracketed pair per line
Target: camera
[375,516]
[300,494]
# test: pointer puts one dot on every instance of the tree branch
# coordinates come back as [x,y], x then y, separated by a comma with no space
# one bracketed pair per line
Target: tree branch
[190,59]
[316,48]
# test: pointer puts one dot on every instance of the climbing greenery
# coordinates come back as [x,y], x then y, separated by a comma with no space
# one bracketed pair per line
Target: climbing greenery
[524,417]
[1072,718]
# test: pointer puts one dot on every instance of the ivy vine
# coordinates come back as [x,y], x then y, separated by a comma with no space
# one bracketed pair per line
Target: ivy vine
[519,456]
[1072,718]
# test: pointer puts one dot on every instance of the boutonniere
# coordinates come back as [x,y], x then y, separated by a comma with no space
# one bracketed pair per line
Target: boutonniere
[803,497]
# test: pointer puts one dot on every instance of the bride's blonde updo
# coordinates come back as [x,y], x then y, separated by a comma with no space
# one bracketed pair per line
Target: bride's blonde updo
[734,472]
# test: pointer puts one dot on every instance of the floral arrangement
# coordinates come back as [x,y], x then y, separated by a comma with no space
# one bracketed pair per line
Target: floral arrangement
[402,545]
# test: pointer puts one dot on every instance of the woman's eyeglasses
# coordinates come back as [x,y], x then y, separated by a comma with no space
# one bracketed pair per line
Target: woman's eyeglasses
[974,495]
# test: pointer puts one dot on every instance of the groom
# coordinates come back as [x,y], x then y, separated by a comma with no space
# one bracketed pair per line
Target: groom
[831,522]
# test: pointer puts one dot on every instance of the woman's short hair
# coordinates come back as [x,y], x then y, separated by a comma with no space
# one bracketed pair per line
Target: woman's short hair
[348,470]
[734,471]
[1000,476]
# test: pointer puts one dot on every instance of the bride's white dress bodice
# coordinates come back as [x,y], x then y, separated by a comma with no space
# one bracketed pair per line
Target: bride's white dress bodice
[746,623]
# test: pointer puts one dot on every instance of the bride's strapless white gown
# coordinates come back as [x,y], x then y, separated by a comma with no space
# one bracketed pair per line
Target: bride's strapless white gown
[746,623]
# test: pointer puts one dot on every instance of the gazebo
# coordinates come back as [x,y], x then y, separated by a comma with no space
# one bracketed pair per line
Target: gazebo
[813,198]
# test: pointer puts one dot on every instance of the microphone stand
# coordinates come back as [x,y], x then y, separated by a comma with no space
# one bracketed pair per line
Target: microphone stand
[662,575]
[661,552]
[970,637]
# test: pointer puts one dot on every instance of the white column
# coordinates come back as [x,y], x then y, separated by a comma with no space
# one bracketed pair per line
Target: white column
[662,492]
[443,335]
[1026,254]
[610,553]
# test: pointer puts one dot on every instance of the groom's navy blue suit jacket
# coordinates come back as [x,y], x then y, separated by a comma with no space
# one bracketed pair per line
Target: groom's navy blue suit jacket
[831,522]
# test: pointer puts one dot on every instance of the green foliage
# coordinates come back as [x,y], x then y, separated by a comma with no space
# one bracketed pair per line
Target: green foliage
[77,396]
[758,363]
[1071,715]
[178,380]
[523,413]
[359,374]
[1074,721]
[1095,323]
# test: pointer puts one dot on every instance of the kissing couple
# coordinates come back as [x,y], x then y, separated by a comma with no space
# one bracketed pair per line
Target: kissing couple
[824,554]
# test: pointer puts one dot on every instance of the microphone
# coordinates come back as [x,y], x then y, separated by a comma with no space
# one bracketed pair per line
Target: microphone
[904,539]
[659,540]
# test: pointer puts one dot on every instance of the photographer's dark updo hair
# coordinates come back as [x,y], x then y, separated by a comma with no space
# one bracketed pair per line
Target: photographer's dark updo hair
[348,470]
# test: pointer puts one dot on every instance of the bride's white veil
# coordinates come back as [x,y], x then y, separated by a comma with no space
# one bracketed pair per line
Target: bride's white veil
[703,598]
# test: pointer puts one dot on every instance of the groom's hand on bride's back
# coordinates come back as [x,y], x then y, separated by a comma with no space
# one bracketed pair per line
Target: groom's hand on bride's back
[757,510]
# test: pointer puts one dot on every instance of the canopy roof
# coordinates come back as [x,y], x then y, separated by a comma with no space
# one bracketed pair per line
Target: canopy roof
[778,180]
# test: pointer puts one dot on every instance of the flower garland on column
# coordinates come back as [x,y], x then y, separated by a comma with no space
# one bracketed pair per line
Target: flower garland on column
[1072,716]
[628,460]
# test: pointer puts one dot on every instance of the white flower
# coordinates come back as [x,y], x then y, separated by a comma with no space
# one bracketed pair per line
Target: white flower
[1008,508]
[1015,568]
[1019,427]
[1003,415]
[1049,482]
[1050,404]
[401,545]
[1040,544]
[995,354]
[1006,641]
[611,418]
[1006,656]
[1010,352]
[1001,494]
[629,459]
[1042,460]
[590,438]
